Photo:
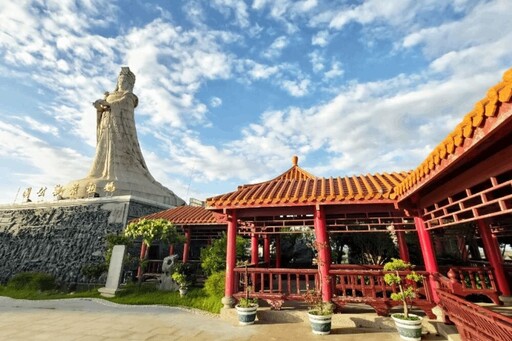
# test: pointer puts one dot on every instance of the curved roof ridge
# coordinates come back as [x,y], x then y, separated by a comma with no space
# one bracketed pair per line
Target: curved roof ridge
[295,172]
[472,122]
[305,190]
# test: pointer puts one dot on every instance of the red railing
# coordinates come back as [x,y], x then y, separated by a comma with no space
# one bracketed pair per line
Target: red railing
[369,287]
[474,322]
[354,286]
[276,284]
[466,281]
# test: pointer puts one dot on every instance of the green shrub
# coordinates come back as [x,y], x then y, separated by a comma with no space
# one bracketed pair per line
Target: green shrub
[213,258]
[215,284]
[32,281]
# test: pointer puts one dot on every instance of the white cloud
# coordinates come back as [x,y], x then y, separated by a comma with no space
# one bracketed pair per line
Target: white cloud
[260,71]
[39,126]
[46,165]
[371,10]
[296,88]
[335,71]
[275,49]
[239,8]
[215,102]
[321,39]
[317,60]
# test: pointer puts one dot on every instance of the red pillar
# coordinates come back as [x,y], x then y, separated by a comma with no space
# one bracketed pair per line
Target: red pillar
[266,249]
[171,249]
[143,251]
[186,246]
[428,253]
[402,246]
[254,248]
[493,255]
[278,251]
[228,299]
[324,252]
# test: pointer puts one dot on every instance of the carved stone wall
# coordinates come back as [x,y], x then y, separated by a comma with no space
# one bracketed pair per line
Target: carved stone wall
[61,237]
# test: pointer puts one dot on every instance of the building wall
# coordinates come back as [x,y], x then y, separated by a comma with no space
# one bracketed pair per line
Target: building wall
[60,237]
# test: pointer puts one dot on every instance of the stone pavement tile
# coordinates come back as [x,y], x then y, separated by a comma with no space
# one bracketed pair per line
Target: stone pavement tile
[92,338]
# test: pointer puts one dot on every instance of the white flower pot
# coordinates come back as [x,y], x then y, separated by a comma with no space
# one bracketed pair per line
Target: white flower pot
[320,324]
[409,330]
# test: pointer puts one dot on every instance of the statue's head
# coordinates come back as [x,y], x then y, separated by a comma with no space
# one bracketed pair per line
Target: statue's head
[126,80]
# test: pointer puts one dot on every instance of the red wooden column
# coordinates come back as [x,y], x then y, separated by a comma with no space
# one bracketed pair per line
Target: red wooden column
[324,252]
[278,251]
[143,249]
[171,249]
[402,246]
[493,254]
[186,246]
[228,299]
[429,256]
[266,249]
[254,248]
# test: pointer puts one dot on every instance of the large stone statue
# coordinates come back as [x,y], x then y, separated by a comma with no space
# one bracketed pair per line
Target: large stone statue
[118,156]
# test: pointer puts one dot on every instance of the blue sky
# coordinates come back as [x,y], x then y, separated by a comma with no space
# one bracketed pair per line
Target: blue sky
[230,90]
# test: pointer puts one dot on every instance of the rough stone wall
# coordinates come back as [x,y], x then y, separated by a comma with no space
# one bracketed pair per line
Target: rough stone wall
[60,240]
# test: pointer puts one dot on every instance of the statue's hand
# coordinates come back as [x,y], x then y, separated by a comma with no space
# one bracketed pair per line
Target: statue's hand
[101,105]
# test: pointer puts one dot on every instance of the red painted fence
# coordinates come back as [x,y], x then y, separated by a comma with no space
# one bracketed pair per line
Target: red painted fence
[473,322]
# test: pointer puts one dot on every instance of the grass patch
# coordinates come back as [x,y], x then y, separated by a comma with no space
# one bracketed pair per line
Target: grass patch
[29,294]
[132,294]
[195,298]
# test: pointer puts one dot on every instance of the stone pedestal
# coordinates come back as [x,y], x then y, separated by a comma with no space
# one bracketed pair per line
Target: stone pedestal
[60,237]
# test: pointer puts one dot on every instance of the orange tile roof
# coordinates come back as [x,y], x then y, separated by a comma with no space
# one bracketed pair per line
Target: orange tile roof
[466,130]
[185,215]
[283,191]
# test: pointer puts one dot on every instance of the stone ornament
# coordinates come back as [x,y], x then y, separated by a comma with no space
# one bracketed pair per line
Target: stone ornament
[109,188]
[26,194]
[91,189]
[57,192]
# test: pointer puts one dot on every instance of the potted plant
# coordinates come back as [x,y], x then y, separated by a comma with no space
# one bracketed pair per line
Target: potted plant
[319,313]
[246,307]
[182,281]
[407,324]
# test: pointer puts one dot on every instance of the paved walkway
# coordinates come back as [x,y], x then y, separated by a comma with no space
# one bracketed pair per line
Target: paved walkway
[93,319]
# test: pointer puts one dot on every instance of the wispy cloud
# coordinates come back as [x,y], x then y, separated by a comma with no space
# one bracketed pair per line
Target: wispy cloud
[275,49]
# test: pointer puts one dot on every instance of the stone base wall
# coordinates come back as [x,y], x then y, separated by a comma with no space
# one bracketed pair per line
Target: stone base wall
[61,237]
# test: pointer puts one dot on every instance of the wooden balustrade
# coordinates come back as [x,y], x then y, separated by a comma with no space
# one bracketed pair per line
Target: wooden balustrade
[275,285]
[369,287]
[354,286]
[152,269]
[466,281]
[474,322]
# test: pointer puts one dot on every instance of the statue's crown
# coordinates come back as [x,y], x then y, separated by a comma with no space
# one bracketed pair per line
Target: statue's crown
[125,70]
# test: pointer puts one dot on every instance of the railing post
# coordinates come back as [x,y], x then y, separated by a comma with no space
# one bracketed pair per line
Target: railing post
[324,252]
[402,246]
[143,249]
[493,254]
[228,299]
[278,251]
[186,246]
[266,249]
[428,255]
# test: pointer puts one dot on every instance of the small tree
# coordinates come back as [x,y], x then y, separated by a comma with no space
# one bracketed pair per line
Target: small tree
[406,287]
[153,229]
[213,258]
